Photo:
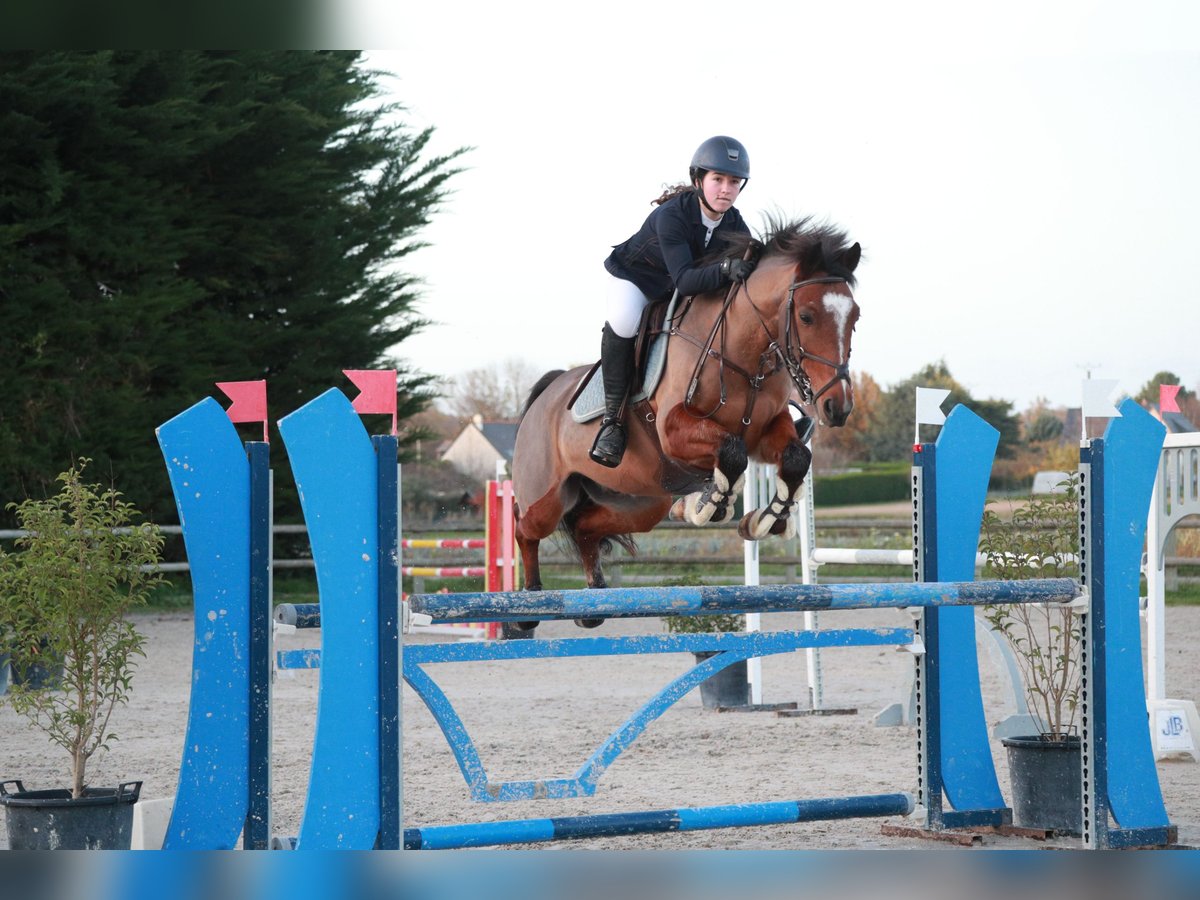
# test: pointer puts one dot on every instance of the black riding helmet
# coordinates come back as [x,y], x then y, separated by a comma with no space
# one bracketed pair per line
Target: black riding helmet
[719,154]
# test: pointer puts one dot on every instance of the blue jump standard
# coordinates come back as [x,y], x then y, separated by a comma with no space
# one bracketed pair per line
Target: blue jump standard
[616,603]
[528,831]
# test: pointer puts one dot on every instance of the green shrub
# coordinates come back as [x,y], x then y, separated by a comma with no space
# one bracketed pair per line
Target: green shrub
[718,622]
[64,601]
[877,484]
[1041,541]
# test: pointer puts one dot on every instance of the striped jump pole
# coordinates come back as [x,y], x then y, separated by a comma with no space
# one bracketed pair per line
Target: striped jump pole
[445,571]
[499,564]
[444,544]
[739,815]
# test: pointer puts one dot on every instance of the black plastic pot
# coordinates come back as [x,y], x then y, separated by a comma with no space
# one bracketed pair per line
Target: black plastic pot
[729,687]
[36,676]
[102,819]
[1046,780]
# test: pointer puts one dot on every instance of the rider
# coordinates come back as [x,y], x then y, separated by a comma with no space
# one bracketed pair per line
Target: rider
[662,257]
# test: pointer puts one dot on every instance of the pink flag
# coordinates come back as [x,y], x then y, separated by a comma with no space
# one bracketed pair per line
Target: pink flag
[377,391]
[249,401]
[1166,398]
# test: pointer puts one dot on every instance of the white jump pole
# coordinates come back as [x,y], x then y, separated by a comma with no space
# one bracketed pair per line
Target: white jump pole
[754,496]
[757,491]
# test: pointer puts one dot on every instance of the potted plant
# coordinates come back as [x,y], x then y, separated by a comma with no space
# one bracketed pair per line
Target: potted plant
[64,599]
[1042,541]
[730,686]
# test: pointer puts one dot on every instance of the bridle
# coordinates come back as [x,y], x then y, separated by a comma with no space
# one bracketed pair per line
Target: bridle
[793,355]
[789,357]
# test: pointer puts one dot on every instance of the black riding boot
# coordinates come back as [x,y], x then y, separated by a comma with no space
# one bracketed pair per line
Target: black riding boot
[616,360]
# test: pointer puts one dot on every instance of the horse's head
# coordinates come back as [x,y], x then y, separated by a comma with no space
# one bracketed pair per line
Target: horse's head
[817,312]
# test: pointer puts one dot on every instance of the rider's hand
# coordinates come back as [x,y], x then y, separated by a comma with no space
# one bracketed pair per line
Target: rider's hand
[737,269]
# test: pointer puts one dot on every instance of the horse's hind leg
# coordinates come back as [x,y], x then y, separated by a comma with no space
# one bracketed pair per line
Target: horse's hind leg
[529,530]
[589,554]
[531,569]
[596,524]
[715,503]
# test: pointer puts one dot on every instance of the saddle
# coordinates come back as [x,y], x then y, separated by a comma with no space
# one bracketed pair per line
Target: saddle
[649,361]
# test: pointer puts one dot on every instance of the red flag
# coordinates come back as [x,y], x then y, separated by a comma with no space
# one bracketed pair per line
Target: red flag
[249,401]
[377,391]
[1166,398]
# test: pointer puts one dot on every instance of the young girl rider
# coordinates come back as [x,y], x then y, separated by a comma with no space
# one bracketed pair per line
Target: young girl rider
[687,222]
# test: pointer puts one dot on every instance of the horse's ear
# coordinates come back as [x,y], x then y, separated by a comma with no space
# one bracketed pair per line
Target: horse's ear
[812,258]
[851,257]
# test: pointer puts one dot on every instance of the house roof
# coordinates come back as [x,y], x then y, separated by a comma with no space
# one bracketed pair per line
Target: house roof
[1177,423]
[502,436]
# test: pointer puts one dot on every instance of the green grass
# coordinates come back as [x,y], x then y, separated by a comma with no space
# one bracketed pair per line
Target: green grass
[1187,595]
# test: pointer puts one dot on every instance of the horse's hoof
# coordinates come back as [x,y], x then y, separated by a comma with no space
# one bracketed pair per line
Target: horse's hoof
[678,512]
[589,623]
[744,528]
[724,513]
[517,631]
[699,509]
[751,527]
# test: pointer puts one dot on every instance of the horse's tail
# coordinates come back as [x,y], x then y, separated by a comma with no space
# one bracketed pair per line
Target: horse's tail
[567,528]
[541,385]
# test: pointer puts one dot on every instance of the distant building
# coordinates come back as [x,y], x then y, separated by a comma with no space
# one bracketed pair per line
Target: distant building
[1176,423]
[1072,423]
[480,445]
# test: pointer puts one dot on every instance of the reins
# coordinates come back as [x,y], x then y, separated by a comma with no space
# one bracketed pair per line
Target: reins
[790,356]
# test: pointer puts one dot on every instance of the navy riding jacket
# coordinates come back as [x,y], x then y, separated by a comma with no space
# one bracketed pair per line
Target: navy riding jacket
[662,255]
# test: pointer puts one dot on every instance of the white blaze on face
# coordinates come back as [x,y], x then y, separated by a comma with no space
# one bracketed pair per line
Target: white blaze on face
[839,306]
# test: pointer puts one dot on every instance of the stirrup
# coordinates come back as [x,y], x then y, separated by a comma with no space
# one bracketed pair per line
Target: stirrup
[611,431]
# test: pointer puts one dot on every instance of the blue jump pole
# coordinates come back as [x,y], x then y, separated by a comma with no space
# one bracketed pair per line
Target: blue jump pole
[617,603]
[528,831]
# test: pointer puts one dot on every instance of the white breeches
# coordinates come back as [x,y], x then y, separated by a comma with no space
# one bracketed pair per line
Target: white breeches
[624,304]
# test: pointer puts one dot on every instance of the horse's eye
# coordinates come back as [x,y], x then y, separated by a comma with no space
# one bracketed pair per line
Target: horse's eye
[806,318]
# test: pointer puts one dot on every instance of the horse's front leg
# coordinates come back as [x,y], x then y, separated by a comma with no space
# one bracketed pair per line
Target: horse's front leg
[704,444]
[780,446]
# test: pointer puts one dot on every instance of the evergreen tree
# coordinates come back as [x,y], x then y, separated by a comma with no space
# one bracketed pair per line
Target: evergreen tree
[1044,428]
[169,219]
[889,436]
[1148,396]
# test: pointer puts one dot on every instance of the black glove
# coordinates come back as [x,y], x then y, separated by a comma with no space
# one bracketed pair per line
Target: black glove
[737,269]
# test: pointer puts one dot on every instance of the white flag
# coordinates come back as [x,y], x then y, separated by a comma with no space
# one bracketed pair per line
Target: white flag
[929,406]
[1097,399]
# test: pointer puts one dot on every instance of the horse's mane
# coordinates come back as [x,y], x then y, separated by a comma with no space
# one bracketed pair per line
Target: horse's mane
[819,247]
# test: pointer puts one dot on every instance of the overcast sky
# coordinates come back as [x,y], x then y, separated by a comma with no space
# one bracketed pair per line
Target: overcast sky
[1024,177]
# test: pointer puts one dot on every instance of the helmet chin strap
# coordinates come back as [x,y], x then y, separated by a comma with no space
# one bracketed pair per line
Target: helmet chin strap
[699,185]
